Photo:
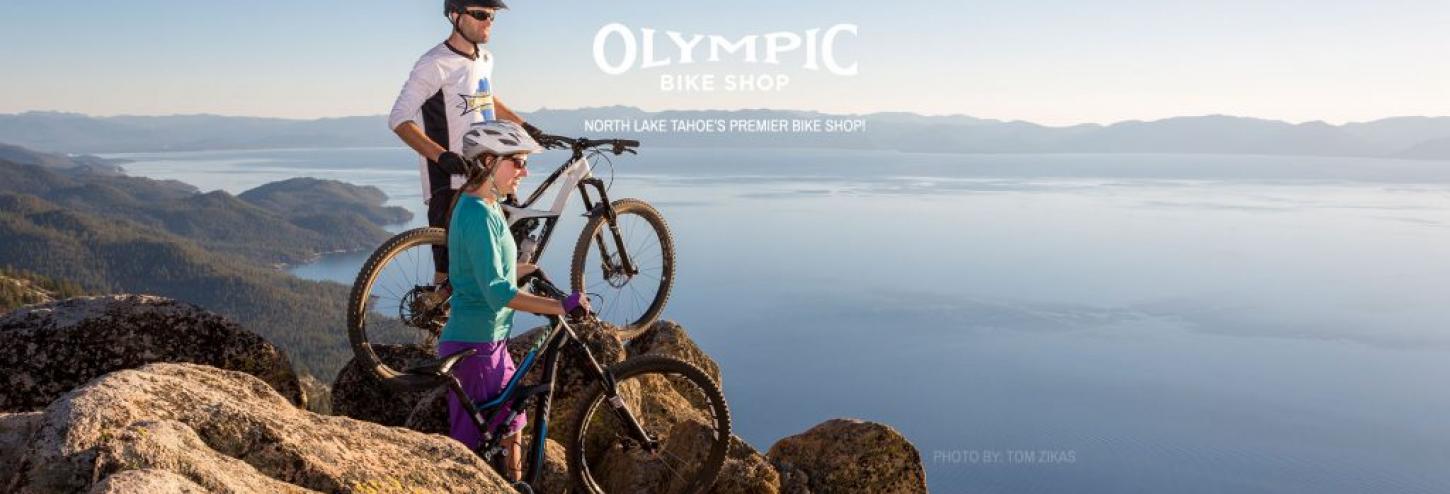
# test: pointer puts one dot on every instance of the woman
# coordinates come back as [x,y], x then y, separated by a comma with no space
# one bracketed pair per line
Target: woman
[484,273]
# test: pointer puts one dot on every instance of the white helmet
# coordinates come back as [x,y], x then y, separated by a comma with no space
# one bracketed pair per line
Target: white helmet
[498,138]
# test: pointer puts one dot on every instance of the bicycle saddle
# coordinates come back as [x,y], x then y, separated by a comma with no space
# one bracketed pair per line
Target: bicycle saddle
[441,366]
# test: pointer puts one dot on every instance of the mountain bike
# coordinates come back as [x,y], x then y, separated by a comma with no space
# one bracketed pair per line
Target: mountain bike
[625,255]
[653,417]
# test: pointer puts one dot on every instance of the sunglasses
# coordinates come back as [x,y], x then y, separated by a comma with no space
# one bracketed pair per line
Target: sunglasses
[478,15]
[520,163]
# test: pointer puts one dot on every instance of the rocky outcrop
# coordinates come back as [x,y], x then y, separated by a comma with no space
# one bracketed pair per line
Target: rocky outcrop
[848,455]
[225,431]
[15,432]
[54,347]
[861,457]
[746,471]
[316,393]
[147,480]
[555,477]
[669,338]
[357,394]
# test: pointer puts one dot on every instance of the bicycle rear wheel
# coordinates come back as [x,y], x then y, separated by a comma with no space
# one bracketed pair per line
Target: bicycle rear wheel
[680,409]
[631,300]
[394,302]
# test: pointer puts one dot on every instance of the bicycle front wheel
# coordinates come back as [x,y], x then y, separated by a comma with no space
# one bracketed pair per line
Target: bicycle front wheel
[683,415]
[395,302]
[632,298]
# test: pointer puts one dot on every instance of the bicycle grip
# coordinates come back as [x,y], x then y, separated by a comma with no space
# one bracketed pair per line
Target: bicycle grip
[543,285]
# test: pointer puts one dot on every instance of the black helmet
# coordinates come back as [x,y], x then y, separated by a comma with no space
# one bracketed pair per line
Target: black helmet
[451,6]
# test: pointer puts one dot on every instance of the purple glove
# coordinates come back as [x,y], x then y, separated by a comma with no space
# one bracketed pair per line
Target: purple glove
[576,304]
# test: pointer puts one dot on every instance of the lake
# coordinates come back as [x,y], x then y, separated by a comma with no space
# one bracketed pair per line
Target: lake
[1039,323]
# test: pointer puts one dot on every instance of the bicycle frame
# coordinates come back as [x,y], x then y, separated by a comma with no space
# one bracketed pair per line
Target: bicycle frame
[550,344]
[575,175]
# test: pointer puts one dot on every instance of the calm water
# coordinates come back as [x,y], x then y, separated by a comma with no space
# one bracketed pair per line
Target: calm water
[1052,323]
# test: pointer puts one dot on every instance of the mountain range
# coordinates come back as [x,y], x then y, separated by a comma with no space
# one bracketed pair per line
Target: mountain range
[1399,137]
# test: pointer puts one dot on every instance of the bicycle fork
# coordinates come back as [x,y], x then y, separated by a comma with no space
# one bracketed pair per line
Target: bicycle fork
[626,265]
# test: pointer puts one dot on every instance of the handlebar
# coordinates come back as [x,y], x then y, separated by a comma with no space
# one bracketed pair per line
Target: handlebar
[542,285]
[580,144]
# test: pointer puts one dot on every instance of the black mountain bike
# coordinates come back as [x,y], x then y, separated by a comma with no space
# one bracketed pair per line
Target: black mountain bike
[625,255]
[660,419]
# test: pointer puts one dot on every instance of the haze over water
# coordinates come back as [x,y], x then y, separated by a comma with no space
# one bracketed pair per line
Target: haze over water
[1039,323]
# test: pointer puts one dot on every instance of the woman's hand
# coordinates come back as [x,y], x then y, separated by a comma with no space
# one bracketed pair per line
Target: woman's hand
[576,303]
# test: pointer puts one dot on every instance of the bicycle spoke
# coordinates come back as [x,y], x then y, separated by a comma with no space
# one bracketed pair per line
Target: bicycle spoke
[637,298]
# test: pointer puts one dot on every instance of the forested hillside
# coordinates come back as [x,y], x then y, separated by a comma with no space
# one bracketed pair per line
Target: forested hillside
[133,235]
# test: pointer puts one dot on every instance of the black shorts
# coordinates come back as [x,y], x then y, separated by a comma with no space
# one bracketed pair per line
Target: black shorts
[438,217]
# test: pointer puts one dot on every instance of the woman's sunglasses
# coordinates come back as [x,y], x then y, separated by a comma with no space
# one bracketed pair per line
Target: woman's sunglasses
[478,15]
[520,163]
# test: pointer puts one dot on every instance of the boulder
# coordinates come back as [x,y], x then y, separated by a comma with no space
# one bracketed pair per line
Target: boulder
[631,469]
[316,393]
[555,477]
[173,446]
[356,393]
[746,471]
[669,338]
[849,455]
[430,413]
[227,431]
[15,432]
[148,480]
[794,481]
[58,346]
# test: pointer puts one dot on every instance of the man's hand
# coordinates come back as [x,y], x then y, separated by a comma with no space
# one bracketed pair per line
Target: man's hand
[524,269]
[453,163]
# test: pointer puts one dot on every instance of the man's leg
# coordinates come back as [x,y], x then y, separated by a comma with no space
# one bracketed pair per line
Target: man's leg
[438,217]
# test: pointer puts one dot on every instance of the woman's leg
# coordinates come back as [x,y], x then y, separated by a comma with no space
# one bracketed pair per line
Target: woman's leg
[470,374]
[514,462]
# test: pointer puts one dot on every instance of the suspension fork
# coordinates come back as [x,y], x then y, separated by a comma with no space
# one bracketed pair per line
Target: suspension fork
[607,209]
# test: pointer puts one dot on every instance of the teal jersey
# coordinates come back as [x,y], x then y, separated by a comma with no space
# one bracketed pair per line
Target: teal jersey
[482,270]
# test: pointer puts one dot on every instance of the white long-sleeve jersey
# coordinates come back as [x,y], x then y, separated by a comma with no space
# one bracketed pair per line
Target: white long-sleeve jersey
[446,93]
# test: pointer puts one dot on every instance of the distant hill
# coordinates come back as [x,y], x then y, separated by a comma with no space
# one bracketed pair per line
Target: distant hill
[290,222]
[1218,134]
[1434,149]
[305,196]
[106,254]
[82,163]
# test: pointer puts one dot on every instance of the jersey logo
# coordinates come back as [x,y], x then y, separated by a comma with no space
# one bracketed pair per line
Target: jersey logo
[480,101]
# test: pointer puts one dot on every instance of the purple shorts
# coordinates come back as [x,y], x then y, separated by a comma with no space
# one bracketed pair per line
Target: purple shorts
[483,376]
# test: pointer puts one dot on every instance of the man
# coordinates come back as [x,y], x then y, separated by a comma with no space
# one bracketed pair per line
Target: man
[449,90]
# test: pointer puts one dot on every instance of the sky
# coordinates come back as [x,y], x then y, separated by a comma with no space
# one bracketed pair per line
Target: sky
[1050,62]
